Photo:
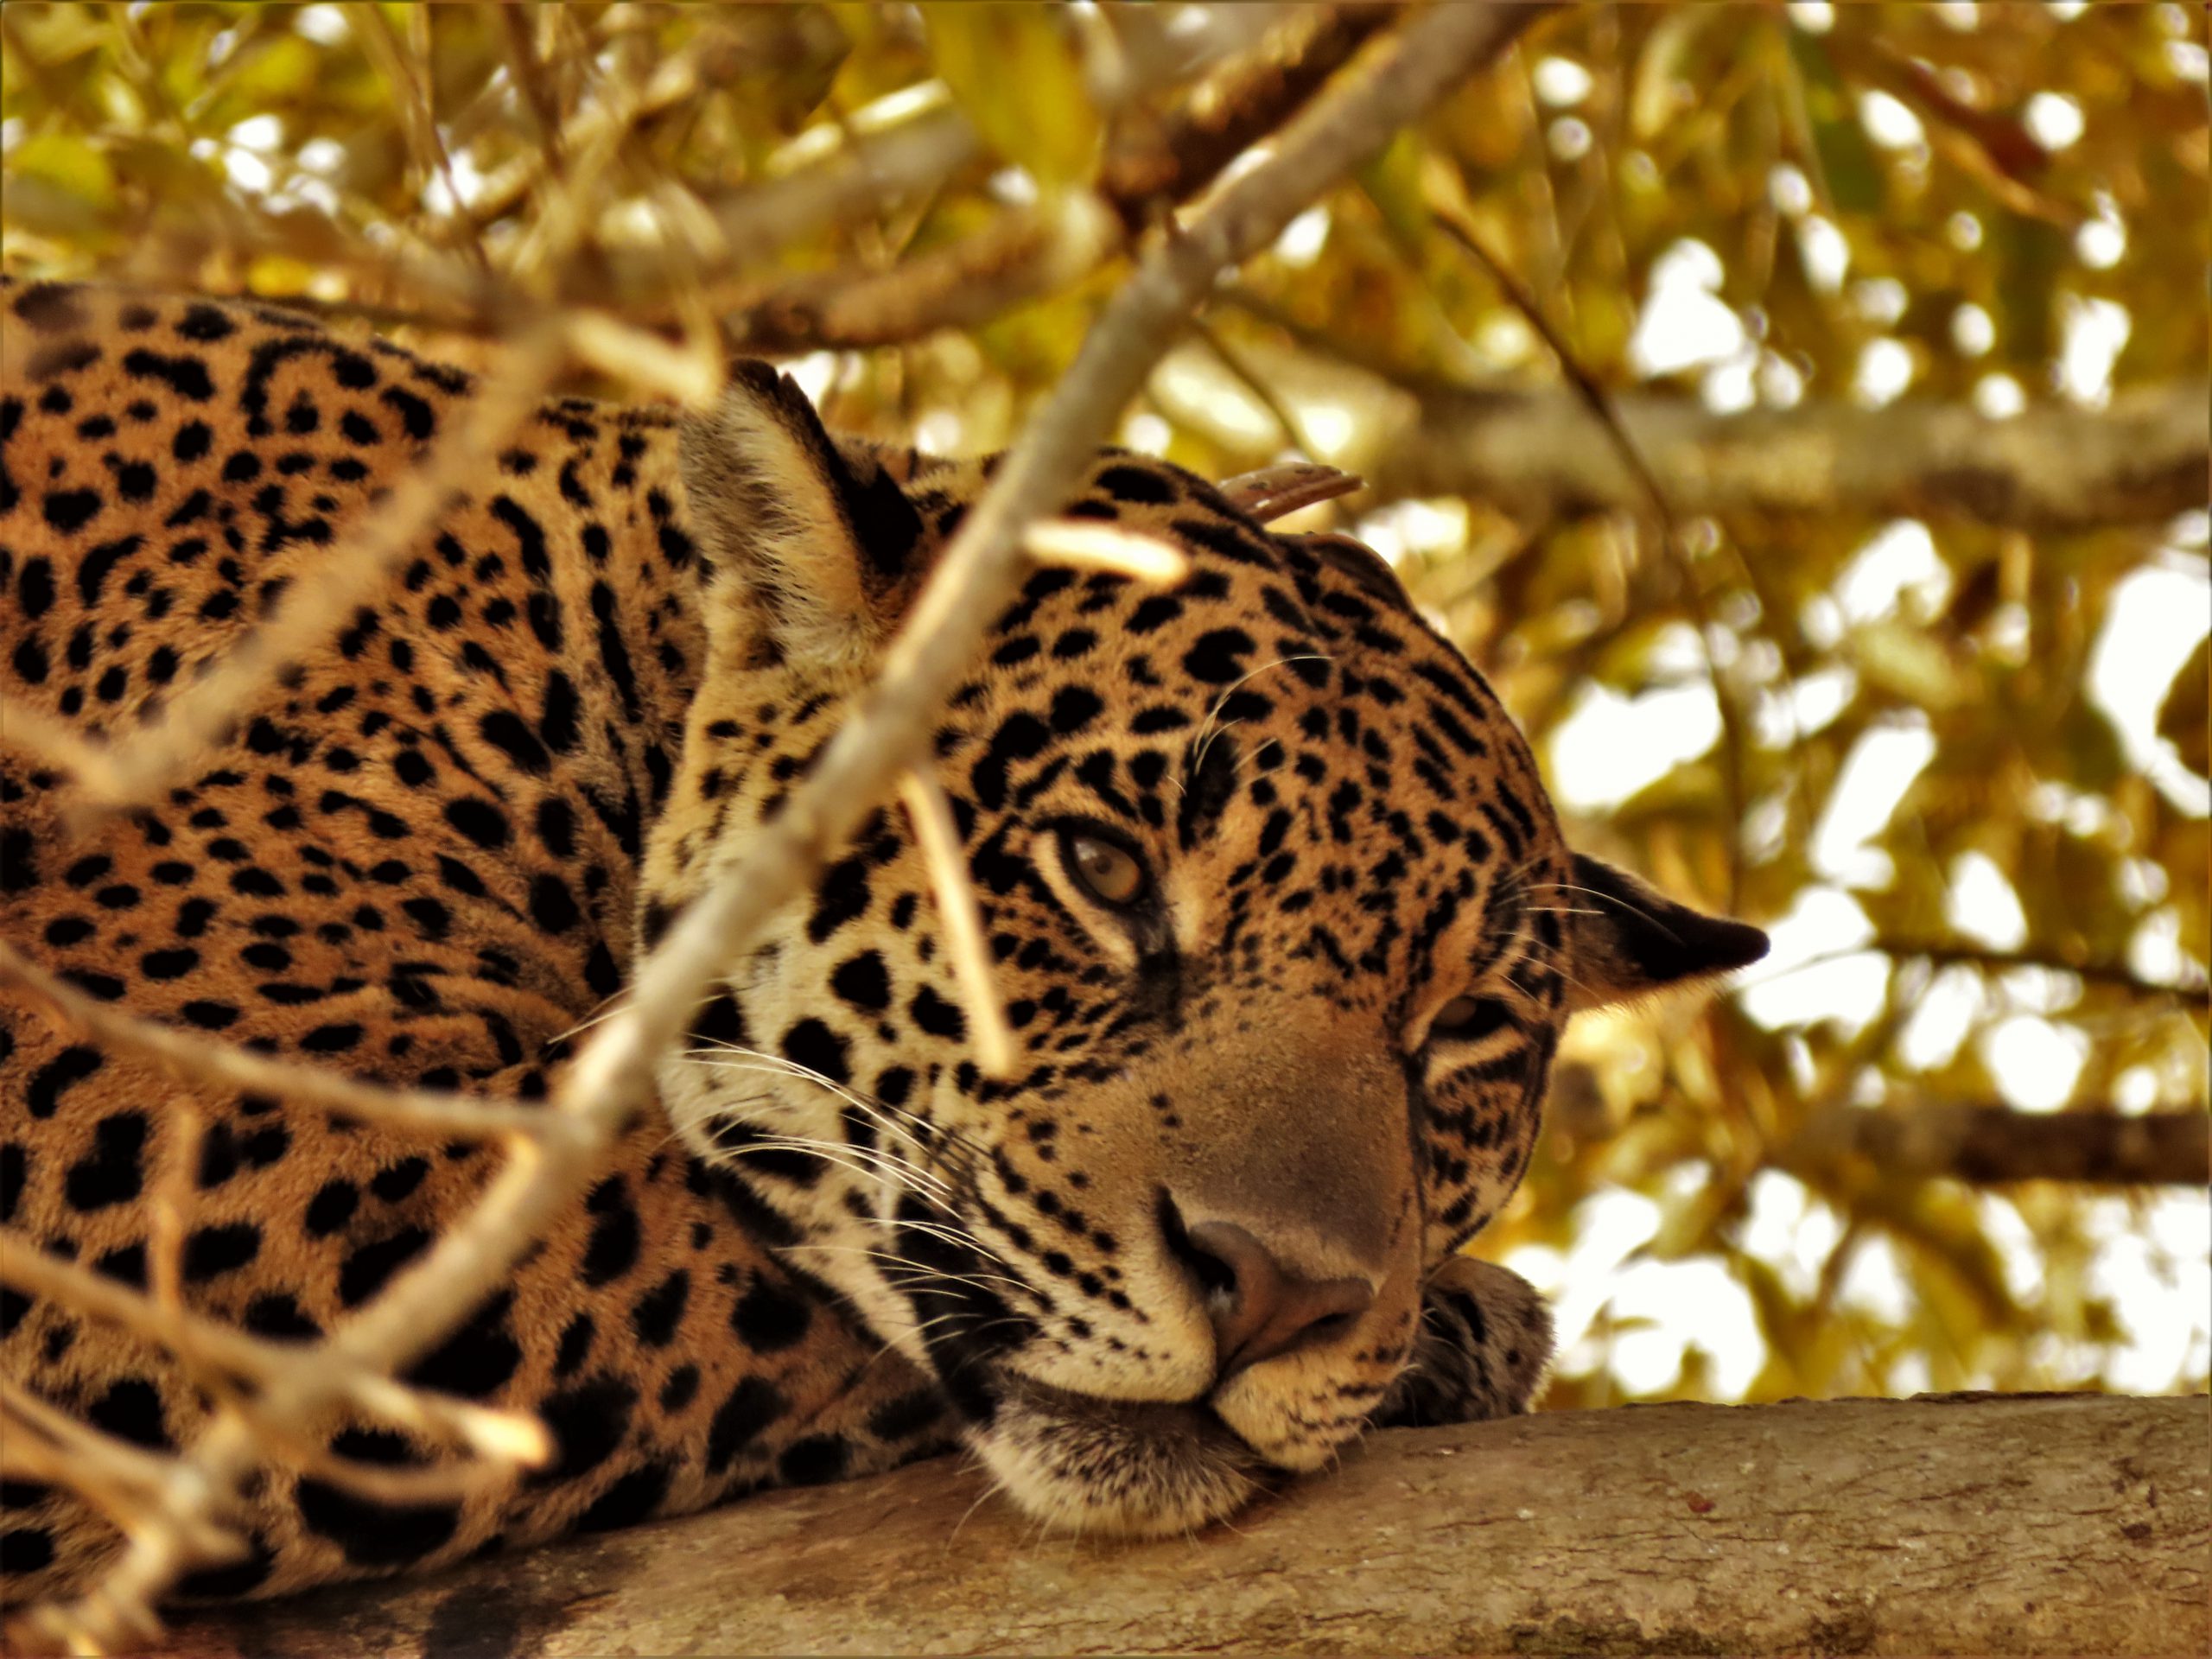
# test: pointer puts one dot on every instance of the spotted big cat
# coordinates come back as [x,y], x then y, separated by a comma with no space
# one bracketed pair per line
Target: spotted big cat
[1276,907]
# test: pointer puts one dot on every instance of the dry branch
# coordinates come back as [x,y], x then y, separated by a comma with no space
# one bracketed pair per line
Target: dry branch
[2053,468]
[1226,111]
[1967,1524]
[501,1434]
[996,1049]
[1021,255]
[205,1060]
[150,758]
[1989,1145]
[1028,253]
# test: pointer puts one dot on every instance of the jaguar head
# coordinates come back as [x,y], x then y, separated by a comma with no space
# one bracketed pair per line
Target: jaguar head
[1275,903]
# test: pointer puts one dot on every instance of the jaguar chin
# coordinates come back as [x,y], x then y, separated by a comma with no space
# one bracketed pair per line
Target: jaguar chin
[1084,1465]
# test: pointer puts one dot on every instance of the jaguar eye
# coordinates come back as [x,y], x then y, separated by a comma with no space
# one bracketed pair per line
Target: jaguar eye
[1469,1019]
[1103,870]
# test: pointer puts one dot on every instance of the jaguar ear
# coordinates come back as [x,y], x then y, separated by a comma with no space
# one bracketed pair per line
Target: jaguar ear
[815,535]
[1631,939]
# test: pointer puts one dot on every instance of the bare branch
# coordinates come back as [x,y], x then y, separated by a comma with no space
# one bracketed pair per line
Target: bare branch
[502,1435]
[2051,469]
[1030,252]
[1945,1524]
[995,1047]
[1232,108]
[154,756]
[205,1062]
[116,1477]
[1992,1145]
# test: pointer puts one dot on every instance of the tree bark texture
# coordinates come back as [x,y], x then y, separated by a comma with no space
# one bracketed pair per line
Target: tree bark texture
[1947,1524]
[2141,461]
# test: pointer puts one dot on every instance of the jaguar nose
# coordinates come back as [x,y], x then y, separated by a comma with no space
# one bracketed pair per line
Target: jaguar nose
[1260,1309]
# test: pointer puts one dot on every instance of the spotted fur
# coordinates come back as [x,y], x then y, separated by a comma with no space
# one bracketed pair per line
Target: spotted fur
[432,853]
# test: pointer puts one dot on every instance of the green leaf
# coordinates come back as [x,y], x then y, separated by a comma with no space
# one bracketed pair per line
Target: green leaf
[1847,159]
[1014,72]
[1393,181]
[279,69]
[2030,257]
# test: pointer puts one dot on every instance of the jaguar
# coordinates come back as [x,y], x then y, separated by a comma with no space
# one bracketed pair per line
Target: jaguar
[1274,901]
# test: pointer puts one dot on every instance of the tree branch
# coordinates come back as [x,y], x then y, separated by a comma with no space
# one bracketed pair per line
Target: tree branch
[1228,111]
[1993,1145]
[1946,953]
[1030,252]
[206,1060]
[1543,454]
[1947,1524]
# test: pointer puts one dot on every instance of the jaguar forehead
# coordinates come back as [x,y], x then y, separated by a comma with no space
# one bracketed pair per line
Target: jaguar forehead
[1273,492]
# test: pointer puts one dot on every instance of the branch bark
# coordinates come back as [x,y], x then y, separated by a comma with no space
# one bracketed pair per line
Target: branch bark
[1990,1145]
[1947,1524]
[1543,454]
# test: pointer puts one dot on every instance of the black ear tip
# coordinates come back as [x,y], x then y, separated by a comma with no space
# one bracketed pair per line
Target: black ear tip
[1734,944]
[756,376]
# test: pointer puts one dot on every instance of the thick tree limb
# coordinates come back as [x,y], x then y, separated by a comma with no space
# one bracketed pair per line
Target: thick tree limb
[1957,1524]
[1993,1144]
[1543,454]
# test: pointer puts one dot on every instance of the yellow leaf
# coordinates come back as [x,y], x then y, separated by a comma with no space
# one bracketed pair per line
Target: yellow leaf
[1014,71]
[281,68]
[70,164]
[1908,663]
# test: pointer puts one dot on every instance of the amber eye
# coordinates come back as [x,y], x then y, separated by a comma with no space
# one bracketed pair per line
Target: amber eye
[1467,1018]
[1103,870]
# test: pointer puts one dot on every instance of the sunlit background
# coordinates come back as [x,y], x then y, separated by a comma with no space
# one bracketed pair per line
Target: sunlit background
[1958,768]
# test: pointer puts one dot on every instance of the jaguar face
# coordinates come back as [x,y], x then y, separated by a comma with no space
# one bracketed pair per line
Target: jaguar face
[1277,909]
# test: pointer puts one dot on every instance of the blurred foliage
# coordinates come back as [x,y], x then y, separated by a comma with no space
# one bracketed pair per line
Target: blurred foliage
[1946,201]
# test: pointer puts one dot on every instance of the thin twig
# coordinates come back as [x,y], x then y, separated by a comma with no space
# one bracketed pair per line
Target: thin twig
[1599,402]
[205,1061]
[1092,544]
[114,1476]
[1022,254]
[504,1436]
[1954,952]
[1242,370]
[150,758]
[996,1050]
[412,102]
